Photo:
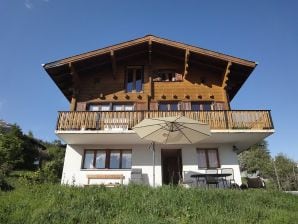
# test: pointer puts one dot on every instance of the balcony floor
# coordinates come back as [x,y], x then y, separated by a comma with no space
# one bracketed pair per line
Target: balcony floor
[242,139]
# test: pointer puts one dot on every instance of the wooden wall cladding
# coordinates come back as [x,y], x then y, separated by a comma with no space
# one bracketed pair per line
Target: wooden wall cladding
[104,85]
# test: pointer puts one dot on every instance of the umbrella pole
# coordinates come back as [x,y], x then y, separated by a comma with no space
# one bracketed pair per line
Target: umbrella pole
[153,147]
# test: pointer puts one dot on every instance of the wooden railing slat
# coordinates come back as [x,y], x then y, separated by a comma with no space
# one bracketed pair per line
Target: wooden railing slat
[79,120]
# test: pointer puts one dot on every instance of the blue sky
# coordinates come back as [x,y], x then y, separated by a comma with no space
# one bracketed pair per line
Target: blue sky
[34,32]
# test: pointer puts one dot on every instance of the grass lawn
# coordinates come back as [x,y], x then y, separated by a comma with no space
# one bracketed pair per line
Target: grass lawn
[46,203]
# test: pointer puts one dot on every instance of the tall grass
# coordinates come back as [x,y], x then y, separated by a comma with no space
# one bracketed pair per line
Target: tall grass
[46,203]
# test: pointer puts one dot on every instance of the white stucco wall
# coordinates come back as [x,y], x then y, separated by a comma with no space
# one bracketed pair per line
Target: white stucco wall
[227,158]
[142,158]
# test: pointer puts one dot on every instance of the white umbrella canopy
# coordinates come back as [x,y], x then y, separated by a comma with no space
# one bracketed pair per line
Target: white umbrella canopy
[172,130]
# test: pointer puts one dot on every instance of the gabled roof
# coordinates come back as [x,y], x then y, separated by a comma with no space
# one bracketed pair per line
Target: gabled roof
[61,73]
[145,39]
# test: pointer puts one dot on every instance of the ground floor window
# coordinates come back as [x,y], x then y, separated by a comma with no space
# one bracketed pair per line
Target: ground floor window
[208,158]
[106,159]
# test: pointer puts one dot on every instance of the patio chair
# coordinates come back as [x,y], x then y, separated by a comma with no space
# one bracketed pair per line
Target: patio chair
[229,180]
[212,180]
[184,181]
[136,176]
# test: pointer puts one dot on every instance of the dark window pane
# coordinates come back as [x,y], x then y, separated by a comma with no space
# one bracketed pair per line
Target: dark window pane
[129,84]
[100,161]
[212,156]
[118,107]
[163,106]
[94,107]
[115,160]
[207,106]
[139,80]
[195,106]
[88,160]
[173,106]
[126,159]
[202,160]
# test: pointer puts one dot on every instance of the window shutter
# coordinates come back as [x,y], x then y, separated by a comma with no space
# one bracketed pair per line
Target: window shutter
[153,106]
[141,106]
[218,106]
[81,106]
[186,105]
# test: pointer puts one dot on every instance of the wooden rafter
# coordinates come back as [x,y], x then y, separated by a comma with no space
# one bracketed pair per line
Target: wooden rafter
[114,67]
[226,75]
[150,52]
[186,63]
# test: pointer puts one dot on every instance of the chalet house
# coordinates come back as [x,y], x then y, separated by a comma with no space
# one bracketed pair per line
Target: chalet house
[110,90]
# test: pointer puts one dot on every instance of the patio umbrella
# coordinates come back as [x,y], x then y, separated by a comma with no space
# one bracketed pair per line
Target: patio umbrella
[171,130]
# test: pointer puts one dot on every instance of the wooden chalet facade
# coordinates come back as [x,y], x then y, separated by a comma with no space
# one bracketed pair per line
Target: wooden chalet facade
[114,88]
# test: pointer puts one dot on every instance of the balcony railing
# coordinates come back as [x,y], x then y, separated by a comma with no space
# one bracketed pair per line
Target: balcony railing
[125,120]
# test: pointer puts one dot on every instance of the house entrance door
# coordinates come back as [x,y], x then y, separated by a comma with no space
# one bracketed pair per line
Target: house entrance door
[171,161]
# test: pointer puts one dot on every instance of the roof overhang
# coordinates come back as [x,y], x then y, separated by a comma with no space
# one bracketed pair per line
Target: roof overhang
[61,70]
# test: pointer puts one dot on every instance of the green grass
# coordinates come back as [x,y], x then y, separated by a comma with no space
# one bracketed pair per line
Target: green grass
[46,203]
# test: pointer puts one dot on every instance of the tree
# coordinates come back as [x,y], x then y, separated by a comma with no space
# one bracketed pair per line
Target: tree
[11,148]
[51,170]
[30,153]
[257,158]
[30,134]
[287,171]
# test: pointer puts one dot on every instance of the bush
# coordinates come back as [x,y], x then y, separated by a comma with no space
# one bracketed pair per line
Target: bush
[51,171]
[4,186]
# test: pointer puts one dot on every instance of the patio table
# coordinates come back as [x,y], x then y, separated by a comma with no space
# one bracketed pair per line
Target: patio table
[205,175]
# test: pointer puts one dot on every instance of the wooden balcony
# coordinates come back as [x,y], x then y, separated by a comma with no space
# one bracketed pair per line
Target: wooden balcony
[125,120]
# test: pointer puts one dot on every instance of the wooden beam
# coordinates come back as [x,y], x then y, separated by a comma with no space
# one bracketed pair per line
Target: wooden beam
[186,63]
[73,103]
[75,79]
[150,67]
[225,84]
[114,67]
[226,75]
[192,61]
[150,52]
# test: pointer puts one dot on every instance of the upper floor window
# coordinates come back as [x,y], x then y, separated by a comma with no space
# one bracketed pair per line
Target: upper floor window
[134,79]
[169,106]
[201,105]
[99,107]
[166,75]
[123,107]
[110,107]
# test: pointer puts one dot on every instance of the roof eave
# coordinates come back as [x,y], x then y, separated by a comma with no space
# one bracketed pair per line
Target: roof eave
[144,39]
